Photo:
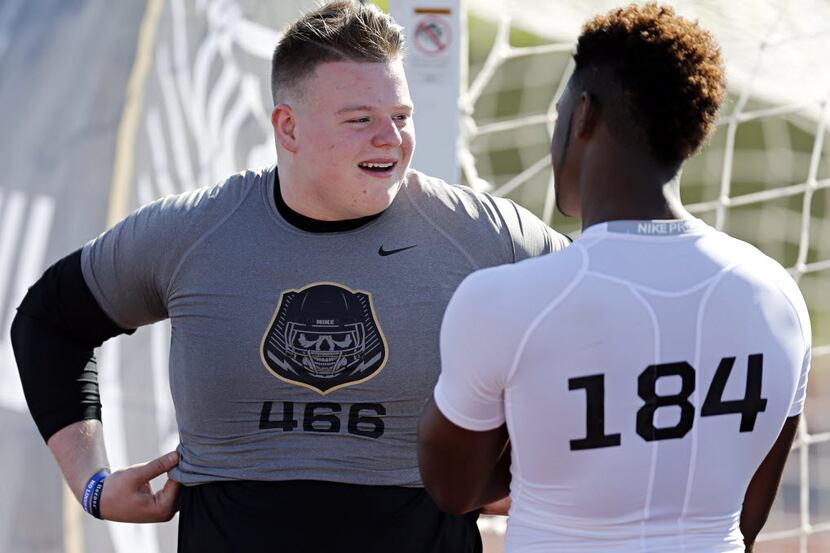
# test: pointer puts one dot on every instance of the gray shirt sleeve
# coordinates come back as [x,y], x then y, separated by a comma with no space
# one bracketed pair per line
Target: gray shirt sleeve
[127,268]
[130,268]
[530,236]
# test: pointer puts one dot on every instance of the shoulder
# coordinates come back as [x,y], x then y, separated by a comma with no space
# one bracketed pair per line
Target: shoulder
[512,295]
[163,230]
[763,273]
[753,264]
[436,194]
[209,200]
[511,231]
[495,310]
[182,218]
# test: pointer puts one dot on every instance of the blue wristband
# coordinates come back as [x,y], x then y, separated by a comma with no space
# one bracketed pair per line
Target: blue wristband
[91,499]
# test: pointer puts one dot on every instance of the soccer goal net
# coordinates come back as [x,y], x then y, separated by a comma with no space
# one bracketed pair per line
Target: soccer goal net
[764,176]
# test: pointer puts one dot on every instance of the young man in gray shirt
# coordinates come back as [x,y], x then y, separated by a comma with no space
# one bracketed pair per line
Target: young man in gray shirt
[305,302]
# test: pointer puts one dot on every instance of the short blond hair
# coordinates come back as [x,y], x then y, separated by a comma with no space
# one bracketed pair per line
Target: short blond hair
[338,31]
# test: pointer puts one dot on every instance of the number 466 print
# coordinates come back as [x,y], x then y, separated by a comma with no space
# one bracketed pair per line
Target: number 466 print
[714,404]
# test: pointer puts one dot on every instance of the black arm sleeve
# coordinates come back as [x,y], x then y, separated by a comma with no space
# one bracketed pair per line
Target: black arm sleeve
[56,329]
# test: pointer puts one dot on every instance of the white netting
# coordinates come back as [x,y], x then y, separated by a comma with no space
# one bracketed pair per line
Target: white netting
[764,176]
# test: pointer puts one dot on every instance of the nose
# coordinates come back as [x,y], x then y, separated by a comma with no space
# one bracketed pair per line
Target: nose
[387,134]
[326,344]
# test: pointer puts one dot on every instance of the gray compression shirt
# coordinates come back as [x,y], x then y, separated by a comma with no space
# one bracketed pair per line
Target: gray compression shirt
[295,355]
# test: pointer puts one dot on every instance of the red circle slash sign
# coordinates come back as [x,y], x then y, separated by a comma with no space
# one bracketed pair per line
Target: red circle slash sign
[432,35]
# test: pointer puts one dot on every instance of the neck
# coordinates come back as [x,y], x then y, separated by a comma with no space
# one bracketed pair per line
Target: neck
[300,198]
[300,221]
[628,186]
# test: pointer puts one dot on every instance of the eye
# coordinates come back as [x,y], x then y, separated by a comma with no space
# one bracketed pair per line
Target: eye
[359,120]
[344,343]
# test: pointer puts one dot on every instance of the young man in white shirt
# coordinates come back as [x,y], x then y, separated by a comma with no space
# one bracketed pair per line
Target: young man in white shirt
[650,377]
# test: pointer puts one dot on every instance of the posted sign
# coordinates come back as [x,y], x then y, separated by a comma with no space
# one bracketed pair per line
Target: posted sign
[433,69]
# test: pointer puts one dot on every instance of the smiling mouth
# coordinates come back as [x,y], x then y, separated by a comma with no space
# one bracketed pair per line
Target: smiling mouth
[378,167]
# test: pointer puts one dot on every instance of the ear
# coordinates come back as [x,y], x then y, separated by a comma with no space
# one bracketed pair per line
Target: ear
[586,116]
[284,123]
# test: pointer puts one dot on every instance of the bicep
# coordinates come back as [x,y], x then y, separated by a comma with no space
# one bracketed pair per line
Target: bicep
[475,356]
[445,451]
[129,267]
[466,418]
[62,300]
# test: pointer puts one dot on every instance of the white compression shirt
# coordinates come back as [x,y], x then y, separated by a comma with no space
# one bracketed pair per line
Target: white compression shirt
[643,373]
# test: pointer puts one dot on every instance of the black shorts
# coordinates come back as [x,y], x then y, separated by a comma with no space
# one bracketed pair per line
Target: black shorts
[319,517]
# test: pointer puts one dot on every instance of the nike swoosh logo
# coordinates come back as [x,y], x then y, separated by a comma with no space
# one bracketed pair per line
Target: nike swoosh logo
[383,252]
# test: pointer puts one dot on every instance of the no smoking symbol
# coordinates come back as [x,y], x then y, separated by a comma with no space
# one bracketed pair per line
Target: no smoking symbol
[432,35]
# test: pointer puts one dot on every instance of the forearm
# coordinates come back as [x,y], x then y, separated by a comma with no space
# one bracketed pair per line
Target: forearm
[57,327]
[497,488]
[80,452]
[127,495]
[763,487]
[495,499]
[58,375]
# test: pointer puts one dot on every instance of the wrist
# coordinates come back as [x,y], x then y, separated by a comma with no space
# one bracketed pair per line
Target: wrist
[91,496]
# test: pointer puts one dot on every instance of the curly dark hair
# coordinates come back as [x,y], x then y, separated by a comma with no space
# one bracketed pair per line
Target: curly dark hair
[668,72]
[338,31]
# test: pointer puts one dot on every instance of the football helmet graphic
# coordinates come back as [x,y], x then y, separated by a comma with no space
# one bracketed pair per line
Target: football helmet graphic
[324,336]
